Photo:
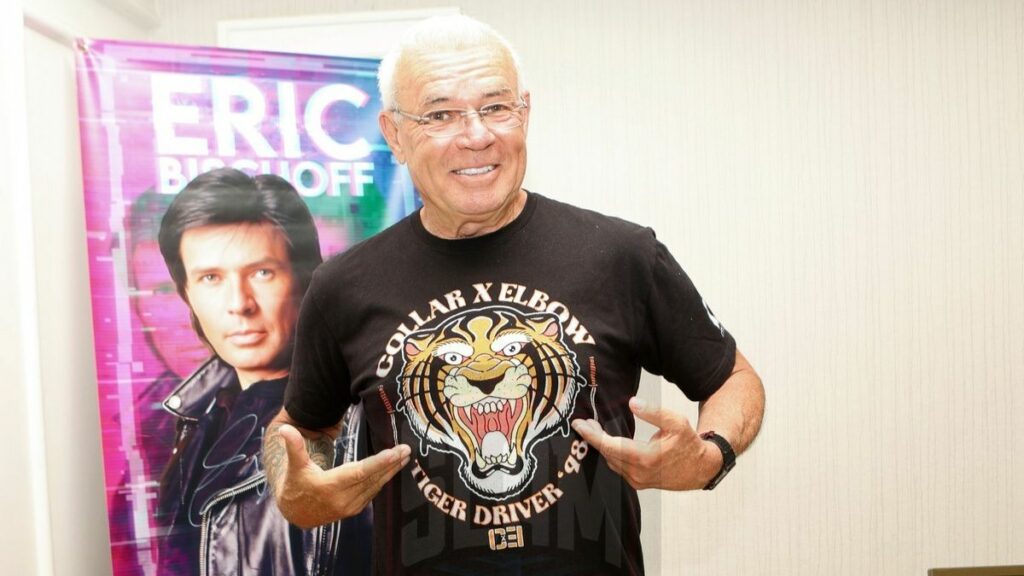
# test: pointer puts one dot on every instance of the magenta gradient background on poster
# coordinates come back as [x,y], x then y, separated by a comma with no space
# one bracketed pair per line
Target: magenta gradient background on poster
[152,117]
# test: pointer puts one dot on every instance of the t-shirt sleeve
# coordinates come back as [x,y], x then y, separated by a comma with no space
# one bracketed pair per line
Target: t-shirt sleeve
[680,338]
[318,386]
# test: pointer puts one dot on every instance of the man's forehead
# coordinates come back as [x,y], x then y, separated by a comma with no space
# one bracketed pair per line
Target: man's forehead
[454,93]
[474,72]
[232,245]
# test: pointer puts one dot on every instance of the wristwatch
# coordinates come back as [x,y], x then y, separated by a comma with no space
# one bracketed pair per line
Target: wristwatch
[728,457]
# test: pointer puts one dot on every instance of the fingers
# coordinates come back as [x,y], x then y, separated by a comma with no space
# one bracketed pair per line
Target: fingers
[666,460]
[374,481]
[618,451]
[359,482]
[384,463]
[591,431]
[661,418]
[626,457]
[379,467]
[641,464]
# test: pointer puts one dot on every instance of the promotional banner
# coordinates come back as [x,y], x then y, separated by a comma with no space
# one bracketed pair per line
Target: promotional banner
[152,118]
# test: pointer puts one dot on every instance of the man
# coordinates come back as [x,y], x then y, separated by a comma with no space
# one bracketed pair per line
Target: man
[477,329]
[241,252]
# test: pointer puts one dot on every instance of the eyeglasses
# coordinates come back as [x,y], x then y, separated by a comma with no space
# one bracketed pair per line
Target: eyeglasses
[445,123]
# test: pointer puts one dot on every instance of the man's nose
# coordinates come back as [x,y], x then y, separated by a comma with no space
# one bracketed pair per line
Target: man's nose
[475,134]
[240,297]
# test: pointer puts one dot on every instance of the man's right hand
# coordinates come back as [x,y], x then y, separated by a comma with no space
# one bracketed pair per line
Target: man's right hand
[306,493]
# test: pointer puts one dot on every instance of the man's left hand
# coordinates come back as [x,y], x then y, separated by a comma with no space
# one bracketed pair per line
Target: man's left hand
[675,458]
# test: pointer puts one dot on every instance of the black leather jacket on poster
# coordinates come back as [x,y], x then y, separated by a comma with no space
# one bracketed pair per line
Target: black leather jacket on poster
[223,520]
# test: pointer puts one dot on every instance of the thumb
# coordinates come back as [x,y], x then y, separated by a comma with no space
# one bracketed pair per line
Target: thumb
[295,446]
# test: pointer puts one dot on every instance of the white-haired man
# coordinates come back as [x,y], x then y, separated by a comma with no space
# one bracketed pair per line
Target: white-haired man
[478,329]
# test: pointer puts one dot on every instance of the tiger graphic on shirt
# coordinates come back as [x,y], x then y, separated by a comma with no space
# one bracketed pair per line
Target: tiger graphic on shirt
[487,385]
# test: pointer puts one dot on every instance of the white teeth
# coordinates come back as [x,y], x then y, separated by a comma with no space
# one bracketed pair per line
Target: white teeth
[490,406]
[491,460]
[475,171]
[502,459]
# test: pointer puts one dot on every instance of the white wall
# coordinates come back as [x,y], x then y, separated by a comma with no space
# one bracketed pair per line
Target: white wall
[845,183]
[18,541]
[54,509]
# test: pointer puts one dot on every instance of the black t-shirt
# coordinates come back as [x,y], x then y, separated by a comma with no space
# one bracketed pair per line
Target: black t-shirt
[478,353]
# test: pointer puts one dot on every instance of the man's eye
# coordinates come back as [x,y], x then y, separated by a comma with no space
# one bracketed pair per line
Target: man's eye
[496,110]
[440,116]
[209,278]
[264,273]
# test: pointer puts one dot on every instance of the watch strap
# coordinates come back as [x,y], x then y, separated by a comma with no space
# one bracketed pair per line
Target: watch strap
[728,457]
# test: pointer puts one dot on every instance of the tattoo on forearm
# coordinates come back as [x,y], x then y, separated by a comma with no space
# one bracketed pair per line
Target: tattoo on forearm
[320,447]
[321,450]
[275,457]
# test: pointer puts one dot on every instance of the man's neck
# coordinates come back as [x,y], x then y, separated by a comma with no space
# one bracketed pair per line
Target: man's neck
[247,379]
[455,228]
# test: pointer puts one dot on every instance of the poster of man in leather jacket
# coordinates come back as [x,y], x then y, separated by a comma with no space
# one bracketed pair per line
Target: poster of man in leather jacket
[241,251]
[188,368]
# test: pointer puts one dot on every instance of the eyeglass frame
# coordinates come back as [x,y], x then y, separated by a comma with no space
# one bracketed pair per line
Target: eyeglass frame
[463,114]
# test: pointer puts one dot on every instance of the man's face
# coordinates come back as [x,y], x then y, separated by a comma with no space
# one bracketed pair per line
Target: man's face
[478,171]
[242,290]
[162,313]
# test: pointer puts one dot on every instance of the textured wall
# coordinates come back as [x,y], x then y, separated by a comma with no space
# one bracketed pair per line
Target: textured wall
[844,181]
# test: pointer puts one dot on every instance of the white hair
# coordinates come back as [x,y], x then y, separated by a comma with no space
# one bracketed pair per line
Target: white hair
[439,33]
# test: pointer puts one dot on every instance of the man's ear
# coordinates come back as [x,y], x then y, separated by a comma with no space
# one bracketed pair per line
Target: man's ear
[526,111]
[389,128]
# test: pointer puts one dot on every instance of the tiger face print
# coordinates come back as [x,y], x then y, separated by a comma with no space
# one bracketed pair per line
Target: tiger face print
[487,385]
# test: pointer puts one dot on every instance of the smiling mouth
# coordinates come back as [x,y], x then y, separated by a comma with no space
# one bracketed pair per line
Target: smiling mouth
[476,171]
